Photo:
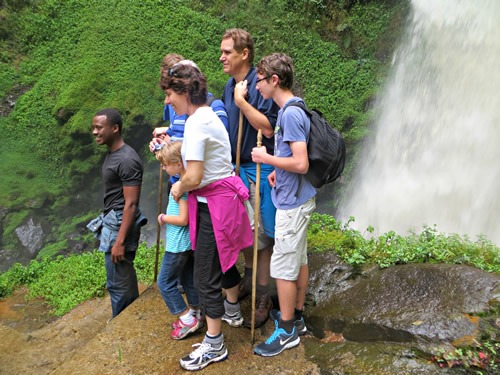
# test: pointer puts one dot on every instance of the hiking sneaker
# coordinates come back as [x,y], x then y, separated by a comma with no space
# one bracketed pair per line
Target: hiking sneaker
[181,330]
[263,305]
[234,320]
[203,356]
[299,324]
[277,342]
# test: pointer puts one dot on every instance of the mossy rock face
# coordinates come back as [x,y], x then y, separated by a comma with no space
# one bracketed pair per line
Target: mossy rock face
[407,303]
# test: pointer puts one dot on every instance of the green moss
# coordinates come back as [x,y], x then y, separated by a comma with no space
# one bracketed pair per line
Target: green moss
[52,250]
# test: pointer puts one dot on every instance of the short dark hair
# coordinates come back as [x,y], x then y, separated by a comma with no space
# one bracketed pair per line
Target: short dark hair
[279,64]
[113,117]
[242,39]
[186,78]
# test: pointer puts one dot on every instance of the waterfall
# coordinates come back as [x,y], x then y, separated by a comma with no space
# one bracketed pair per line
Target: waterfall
[434,157]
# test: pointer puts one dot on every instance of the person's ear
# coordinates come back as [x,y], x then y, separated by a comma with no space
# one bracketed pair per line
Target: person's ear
[244,54]
[275,79]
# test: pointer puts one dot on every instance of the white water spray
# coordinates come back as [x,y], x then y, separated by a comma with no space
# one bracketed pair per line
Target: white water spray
[435,156]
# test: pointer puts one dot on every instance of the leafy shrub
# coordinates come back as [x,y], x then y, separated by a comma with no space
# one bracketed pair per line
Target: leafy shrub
[429,246]
[68,281]
[145,262]
[18,275]
[65,282]
[482,358]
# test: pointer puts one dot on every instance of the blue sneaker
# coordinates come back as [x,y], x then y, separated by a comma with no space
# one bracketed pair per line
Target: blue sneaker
[299,324]
[277,342]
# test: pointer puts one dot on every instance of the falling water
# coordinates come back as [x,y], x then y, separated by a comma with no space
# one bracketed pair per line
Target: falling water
[435,156]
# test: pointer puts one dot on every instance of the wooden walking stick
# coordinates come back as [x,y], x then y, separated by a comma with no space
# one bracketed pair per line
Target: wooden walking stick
[255,238]
[238,145]
[158,230]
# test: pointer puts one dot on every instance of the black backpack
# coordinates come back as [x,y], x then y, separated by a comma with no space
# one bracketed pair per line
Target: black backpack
[325,149]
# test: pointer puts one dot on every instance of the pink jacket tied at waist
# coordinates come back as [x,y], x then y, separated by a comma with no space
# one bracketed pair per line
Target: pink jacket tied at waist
[229,218]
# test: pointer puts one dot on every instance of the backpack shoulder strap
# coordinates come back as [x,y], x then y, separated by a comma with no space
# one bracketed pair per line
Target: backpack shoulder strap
[210,100]
[301,105]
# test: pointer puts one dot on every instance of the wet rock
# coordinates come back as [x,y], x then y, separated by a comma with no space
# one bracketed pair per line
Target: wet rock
[375,358]
[31,236]
[408,303]
[329,275]
[8,102]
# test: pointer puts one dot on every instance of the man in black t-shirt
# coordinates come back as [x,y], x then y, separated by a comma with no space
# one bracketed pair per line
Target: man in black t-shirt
[122,172]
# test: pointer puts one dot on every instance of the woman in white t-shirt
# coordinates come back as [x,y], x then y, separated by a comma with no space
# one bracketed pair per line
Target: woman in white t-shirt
[218,223]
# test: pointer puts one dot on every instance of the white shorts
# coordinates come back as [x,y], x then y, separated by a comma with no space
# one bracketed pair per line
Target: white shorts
[290,248]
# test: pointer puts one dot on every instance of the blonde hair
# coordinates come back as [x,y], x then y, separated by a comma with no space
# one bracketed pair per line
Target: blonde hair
[170,153]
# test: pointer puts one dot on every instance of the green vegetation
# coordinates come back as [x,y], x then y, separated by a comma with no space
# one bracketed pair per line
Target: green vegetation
[65,282]
[63,60]
[429,246]
[481,359]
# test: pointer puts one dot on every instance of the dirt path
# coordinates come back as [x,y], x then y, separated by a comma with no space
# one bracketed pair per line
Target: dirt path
[136,342]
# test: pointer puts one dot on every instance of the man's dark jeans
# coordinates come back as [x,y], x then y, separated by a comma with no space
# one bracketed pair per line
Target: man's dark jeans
[121,282]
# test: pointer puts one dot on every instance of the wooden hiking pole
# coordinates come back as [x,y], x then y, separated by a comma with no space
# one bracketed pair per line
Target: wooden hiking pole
[238,145]
[255,238]
[158,230]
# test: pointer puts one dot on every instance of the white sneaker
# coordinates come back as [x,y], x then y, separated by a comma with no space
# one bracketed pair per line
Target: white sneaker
[203,356]
[234,320]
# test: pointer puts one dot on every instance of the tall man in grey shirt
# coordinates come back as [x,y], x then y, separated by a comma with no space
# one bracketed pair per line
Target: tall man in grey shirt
[122,172]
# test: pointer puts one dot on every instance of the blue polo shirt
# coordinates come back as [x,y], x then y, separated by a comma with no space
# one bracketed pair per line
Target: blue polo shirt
[249,137]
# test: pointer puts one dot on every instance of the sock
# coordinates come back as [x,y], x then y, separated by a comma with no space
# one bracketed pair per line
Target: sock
[187,319]
[298,314]
[287,325]
[196,313]
[215,341]
[231,308]
[261,289]
[248,273]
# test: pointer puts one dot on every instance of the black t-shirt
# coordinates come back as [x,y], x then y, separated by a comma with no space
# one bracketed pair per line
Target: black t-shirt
[122,167]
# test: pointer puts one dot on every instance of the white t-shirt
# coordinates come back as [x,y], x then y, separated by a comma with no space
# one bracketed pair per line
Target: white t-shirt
[206,139]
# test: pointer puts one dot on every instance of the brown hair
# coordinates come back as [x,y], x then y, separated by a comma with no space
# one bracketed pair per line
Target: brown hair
[279,64]
[169,61]
[184,78]
[242,39]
